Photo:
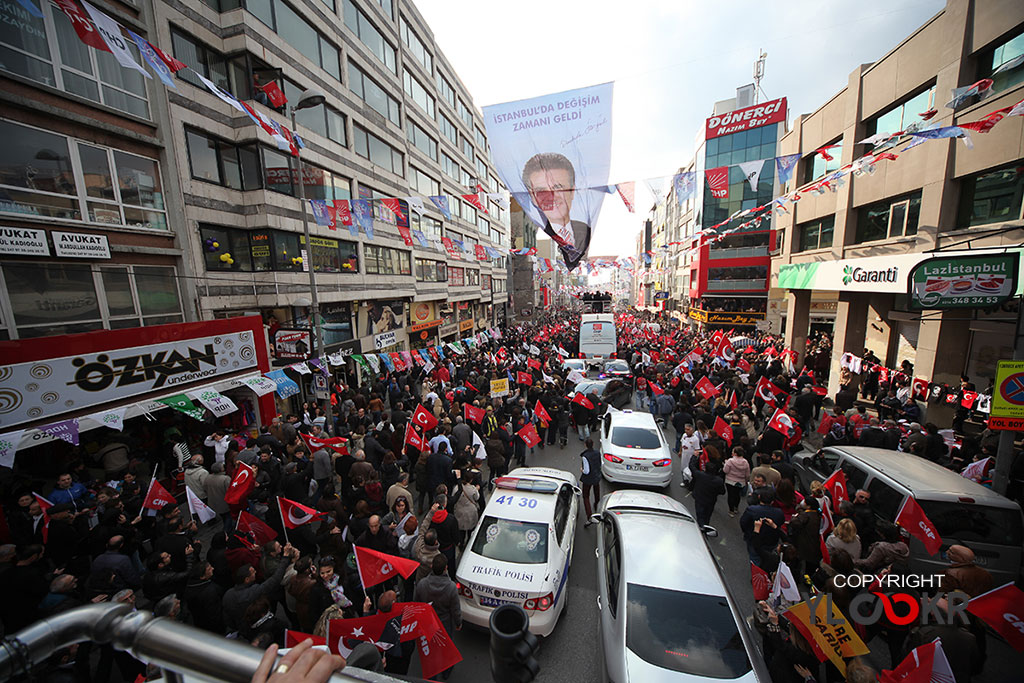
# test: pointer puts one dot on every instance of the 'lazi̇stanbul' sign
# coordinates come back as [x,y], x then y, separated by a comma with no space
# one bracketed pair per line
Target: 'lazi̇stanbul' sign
[53,386]
[964,281]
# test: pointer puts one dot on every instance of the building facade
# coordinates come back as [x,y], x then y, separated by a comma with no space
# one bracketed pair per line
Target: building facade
[939,196]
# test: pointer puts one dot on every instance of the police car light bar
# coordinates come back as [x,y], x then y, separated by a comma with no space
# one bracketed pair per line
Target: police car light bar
[533,485]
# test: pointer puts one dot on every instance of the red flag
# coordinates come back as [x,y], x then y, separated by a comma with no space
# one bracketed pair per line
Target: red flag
[241,485]
[781,422]
[820,391]
[826,526]
[480,252]
[173,64]
[412,438]
[344,634]
[919,388]
[295,514]
[473,413]
[260,531]
[533,363]
[825,556]
[470,386]
[376,567]
[837,488]
[85,29]
[968,399]
[925,664]
[725,349]
[437,651]
[422,418]
[658,391]
[582,400]
[338,444]
[733,403]
[529,435]
[641,382]
[406,235]
[45,505]
[293,638]
[718,181]
[742,363]
[395,206]
[157,496]
[274,94]
[1003,610]
[883,374]
[541,412]
[723,429]
[912,518]
[398,360]
[474,199]
[343,212]
[826,424]
[765,390]
[706,388]
[524,378]
[760,582]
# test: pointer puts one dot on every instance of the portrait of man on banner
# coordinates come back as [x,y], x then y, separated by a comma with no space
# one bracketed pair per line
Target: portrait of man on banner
[553,153]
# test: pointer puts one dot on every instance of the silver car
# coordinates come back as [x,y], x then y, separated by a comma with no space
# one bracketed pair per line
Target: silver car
[665,613]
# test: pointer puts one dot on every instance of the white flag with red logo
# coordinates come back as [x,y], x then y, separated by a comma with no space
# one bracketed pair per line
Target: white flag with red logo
[925,664]
[837,488]
[241,485]
[198,507]
[422,418]
[1003,610]
[157,496]
[295,514]
[785,584]
[913,519]
[781,422]
[377,567]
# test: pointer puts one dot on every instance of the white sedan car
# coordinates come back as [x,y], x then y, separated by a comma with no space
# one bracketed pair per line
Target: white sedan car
[520,551]
[634,449]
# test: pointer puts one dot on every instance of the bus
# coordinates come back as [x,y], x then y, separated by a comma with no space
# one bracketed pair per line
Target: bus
[597,336]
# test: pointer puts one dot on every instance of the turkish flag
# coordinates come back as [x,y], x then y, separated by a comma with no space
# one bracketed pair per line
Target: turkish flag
[376,567]
[414,439]
[919,388]
[742,364]
[706,388]
[241,485]
[723,429]
[261,532]
[760,582]
[293,638]
[765,390]
[295,514]
[826,525]
[924,664]
[968,399]
[422,418]
[529,435]
[823,549]
[1003,610]
[658,391]
[524,378]
[44,505]
[157,496]
[473,413]
[582,400]
[344,634]
[912,518]
[781,422]
[533,363]
[725,350]
[541,412]
[337,444]
[837,488]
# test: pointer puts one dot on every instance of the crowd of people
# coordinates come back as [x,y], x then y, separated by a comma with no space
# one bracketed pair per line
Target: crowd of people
[96,543]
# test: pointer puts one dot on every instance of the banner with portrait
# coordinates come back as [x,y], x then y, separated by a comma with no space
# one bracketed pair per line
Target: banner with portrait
[553,153]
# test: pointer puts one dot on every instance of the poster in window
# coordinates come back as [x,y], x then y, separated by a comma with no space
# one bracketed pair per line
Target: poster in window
[381,316]
[292,343]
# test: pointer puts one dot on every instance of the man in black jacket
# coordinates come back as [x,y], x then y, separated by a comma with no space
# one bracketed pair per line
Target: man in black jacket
[761,525]
[706,490]
[203,597]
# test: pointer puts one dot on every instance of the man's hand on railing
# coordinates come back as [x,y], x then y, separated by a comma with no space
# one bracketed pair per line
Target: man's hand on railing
[302,664]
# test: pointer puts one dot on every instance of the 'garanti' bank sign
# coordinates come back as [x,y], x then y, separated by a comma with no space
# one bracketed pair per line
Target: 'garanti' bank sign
[773,111]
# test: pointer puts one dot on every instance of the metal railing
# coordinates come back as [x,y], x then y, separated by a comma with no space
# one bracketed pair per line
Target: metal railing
[172,646]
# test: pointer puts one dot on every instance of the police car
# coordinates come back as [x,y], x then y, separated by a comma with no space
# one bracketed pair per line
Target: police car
[520,551]
[634,449]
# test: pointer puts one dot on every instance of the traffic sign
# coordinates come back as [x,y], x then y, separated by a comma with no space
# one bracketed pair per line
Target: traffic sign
[320,386]
[1008,399]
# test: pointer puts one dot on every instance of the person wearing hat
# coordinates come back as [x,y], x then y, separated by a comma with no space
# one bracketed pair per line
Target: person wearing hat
[963,574]
[490,421]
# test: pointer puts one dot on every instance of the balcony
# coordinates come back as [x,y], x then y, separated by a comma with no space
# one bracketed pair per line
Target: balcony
[730,285]
[737,252]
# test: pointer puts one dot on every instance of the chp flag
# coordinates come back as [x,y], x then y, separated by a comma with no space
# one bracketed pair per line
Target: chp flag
[197,507]
[295,514]
[157,496]
[377,567]
[529,435]
[912,518]
[260,530]
[1003,610]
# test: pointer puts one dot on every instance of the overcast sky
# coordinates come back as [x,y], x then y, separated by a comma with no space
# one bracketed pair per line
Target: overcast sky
[670,61]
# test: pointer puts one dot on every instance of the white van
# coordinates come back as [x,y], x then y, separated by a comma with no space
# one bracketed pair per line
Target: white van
[597,336]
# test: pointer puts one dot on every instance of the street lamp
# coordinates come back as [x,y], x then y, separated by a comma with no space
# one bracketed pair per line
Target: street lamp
[308,99]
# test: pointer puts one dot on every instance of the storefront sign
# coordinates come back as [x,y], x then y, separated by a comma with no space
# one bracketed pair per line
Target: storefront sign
[447,330]
[698,315]
[53,386]
[740,120]
[80,245]
[964,281]
[423,316]
[23,242]
[384,340]
[293,343]
[466,326]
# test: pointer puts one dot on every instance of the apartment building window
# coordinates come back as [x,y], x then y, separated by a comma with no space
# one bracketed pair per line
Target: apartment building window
[47,50]
[423,183]
[414,89]
[325,121]
[468,213]
[456,276]
[902,115]
[481,169]
[223,163]
[415,45]
[472,277]
[991,197]
[369,146]
[465,113]
[449,167]
[889,218]
[481,139]
[445,89]
[420,140]
[370,92]
[466,178]
[992,59]
[485,283]
[368,35]
[223,5]
[467,148]
[386,261]
[103,297]
[298,33]
[50,175]
[449,130]
[269,250]
[431,227]
[816,166]
[482,225]
[385,5]
[499,285]
[816,234]
[428,270]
